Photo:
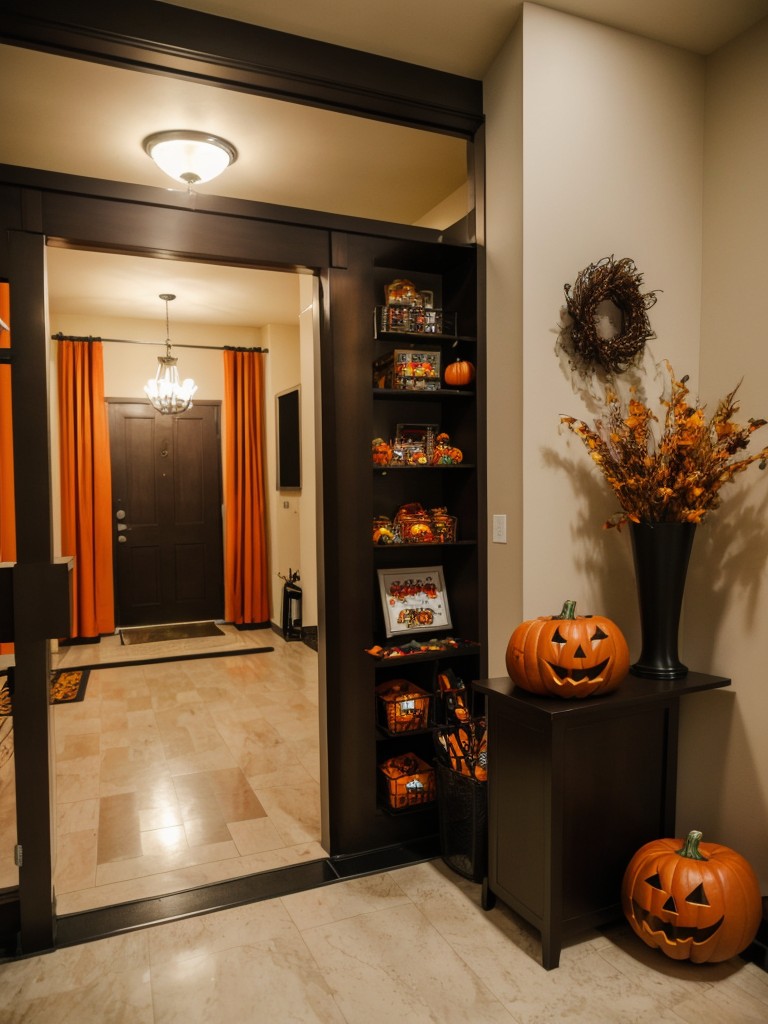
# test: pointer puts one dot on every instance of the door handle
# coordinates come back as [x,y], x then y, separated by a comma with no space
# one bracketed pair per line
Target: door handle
[121,527]
[120,514]
[122,539]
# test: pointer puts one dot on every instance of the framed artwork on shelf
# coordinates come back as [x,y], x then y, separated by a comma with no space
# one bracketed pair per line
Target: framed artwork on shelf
[414,600]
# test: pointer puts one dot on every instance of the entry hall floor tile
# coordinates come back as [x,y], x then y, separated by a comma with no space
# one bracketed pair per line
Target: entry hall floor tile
[409,945]
[182,773]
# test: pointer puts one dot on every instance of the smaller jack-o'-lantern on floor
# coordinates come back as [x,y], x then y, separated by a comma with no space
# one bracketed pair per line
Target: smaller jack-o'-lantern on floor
[698,902]
[568,655]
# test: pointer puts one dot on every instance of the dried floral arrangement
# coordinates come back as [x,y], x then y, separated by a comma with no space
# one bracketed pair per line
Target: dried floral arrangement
[608,280]
[669,473]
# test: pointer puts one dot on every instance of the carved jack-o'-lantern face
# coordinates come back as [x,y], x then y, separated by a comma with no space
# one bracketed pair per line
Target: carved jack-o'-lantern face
[568,655]
[700,902]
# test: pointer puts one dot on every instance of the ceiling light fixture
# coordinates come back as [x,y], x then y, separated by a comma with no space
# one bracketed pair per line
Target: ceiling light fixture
[165,391]
[190,157]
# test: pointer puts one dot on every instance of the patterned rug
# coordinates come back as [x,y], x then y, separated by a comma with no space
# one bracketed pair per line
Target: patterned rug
[67,686]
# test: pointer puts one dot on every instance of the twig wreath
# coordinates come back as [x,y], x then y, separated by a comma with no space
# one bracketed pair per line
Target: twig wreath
[616,281]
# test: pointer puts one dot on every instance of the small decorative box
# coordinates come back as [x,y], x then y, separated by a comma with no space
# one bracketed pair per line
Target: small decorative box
[408,370]
[399,318]
[403,707]
[407,782]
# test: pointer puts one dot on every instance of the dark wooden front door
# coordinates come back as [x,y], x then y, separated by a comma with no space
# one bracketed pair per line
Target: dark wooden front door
[166,502]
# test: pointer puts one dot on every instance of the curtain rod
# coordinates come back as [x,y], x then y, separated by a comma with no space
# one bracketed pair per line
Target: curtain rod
[126,341]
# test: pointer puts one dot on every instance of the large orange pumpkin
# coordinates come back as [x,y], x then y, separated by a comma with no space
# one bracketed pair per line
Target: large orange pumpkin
[692,900]
[459,373]
[568,655]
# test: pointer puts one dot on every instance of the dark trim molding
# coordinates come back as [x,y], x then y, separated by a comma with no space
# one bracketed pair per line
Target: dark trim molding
[31,179]
[88,925]
[150,36]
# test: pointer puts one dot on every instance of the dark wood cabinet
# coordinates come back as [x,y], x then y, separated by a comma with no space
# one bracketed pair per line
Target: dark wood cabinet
[575,787]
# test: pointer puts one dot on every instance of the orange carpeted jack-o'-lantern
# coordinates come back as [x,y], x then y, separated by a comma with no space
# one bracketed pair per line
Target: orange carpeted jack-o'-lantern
[568,655]
[699,902]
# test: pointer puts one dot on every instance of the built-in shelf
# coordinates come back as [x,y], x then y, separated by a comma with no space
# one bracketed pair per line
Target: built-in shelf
[403,394]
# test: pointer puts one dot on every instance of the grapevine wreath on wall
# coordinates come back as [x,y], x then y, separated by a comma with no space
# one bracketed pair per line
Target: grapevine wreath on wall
[618,282]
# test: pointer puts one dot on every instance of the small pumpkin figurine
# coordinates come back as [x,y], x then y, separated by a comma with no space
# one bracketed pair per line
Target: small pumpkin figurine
[696,901]
[383,530]
[445,454]
[381,452]
[568,655]
[459,373]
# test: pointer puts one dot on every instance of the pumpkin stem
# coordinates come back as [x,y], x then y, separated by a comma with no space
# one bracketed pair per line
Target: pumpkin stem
[690,847]
[569,610]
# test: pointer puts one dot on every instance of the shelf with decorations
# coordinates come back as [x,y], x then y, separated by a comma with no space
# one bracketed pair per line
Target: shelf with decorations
[425,526]
[358,411]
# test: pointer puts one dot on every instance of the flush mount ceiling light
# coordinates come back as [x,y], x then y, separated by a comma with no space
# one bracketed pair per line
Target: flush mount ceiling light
[165,391]
[190,157]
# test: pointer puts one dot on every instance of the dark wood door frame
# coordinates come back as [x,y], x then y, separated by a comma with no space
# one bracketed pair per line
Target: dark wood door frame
[100,223]
[38,206]
[182,43]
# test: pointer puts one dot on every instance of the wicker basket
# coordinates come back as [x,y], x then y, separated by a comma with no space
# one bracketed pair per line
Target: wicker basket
[402,706]
[463,812]
[406,782]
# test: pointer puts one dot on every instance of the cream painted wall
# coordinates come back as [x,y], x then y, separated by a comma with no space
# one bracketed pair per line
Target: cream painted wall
[725,792]
[611,128]
[128,367]
[283,372]
[503,92]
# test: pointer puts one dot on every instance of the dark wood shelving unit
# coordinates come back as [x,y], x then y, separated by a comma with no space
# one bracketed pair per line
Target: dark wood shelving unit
[361,412]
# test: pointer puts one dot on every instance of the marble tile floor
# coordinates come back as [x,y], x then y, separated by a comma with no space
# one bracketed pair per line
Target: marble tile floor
[411,945]
[176,774]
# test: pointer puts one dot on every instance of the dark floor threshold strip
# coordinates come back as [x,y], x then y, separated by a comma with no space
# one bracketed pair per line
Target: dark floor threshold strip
[177,657]
[89,925]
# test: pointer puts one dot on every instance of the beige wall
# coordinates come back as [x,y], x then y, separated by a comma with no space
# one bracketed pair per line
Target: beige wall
[724,740]
[283,372]
[596,147]
[503,91]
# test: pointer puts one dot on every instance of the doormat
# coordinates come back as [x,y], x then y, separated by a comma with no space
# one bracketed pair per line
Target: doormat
[170,631]
[67,686]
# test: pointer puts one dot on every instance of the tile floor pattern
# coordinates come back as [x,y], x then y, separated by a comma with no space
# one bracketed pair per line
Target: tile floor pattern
[411,946]
[182,773]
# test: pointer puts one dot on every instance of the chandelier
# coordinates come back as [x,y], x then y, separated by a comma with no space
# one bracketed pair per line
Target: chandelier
[165,391]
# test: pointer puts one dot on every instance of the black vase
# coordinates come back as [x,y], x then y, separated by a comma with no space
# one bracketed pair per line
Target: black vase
[661,552]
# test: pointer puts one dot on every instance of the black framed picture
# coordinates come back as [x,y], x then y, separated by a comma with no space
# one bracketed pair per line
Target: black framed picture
[288,413]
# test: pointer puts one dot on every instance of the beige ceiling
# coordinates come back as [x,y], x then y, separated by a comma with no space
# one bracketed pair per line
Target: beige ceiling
[87,119]
[463,36]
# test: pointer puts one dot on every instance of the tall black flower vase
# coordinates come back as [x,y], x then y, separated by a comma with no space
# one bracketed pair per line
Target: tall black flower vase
[661,552]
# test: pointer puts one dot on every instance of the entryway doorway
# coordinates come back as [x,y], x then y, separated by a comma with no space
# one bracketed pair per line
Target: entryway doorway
[203,759]
[166,504]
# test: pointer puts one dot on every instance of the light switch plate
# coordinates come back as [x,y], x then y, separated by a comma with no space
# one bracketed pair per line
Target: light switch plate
[499,529]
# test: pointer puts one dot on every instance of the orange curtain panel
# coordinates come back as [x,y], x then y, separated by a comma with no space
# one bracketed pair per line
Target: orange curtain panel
[7,511]
[246,593]
[86,485]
